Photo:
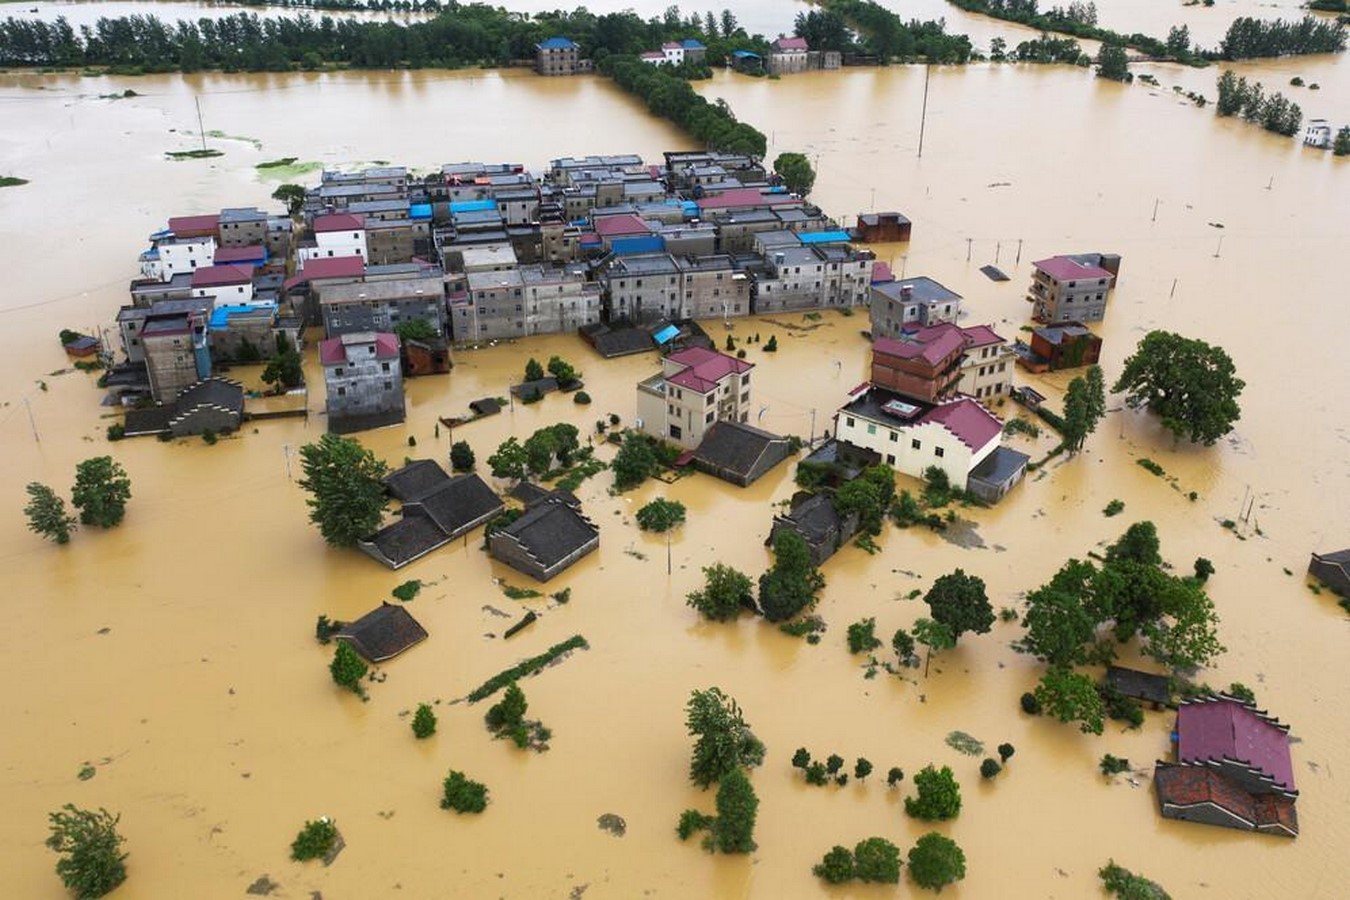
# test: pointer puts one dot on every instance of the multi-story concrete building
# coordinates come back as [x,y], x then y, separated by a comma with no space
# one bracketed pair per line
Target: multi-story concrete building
[1073,288]
[932,362]
[642,288]
[711,287]
[364,380]
[559,299]
[911,302]
[787,55]
[224,284]
[808,277]
[177,354]
[242,227]
[694,389]
[382,305]
[491,307]
[131,319]
[340,234]
[557,56]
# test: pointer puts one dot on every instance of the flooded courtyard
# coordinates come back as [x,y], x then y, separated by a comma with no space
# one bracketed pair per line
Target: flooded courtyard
[175,654]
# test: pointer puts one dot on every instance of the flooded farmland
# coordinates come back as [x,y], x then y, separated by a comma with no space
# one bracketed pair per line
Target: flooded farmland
[175,654]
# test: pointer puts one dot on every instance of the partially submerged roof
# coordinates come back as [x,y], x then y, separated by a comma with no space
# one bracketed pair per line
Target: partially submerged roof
[333,351]
[553,528]
[456,504]
[1001,465]
[815,517]
[415,479]
[921,288]
[740,450]
[790,43]
[1183,788]
[383,633]
[936,345]
[1140,685]
[1217,728]
[404,541]
[1068,268]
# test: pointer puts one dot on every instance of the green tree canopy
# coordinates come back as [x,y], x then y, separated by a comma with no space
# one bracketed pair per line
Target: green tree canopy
[91,862]
[345,482]
[1191,385]
[724,594]
[1059,622]
[101,492]
[939,796]
[935,636]
[878,860]
[723,741]
[791,585]
[660,515]
[533,371]
[634,462]
[562,370]
[959,601]
[1071,697]
[936,861]
[737,806]
[509,461]
[47,514]
[348,668]
[461,457]
[1084,407]
[1113,63]
[836,867]
[285,369]
[415,330]
[796,172]
[293,195]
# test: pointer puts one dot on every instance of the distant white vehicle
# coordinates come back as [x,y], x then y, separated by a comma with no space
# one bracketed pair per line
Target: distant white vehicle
[1318,134]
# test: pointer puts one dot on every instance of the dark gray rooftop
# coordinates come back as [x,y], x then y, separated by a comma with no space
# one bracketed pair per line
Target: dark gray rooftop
[407,539]
[1000,465]
[815,517]
[924,290]
[740,449]
[383,633]
[415,479]
[456,504]
[552,529]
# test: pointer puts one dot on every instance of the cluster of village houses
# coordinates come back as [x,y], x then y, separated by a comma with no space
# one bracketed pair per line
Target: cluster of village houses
[628,255]
[562,56]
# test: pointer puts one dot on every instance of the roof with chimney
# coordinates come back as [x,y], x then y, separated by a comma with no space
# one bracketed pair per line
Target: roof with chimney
[1067,268]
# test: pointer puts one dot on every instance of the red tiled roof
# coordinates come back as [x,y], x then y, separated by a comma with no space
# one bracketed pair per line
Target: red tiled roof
[1186,786]
[931,345]
[705,368]
[334,267]
[216,276]
[1062,268]
[881,272]
[981,335]
[609,226]
[671,45]
[338,222]
[239,254]
[792,43]
[186,226]
[652,54]
[332,350]
[1222,728]
[743,197]
[972,424]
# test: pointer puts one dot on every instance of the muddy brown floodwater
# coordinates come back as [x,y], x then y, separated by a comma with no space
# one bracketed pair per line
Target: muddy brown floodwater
[175,653]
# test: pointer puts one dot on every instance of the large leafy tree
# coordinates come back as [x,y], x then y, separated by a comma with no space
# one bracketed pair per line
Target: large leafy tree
[939,796]
[661,515]
[347,496]
[1059,621]
[91,862]
[791,585]
[286,368]
[47,514]
[1072,697]
[1084,407]
[869,495]
[1192,386]
[101,492]
[959,601]
[723,741]
[737,805]
[725,593]
[877,859]
[509,461]
[796,172]
[935,636]
[936,861]
[1113,63]
[634,462]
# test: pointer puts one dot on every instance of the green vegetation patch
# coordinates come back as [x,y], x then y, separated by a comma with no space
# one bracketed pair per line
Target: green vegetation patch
[518,593]
[965,743]
[407,590]
[527,667]
[11,181]
[286,169]
[193,154]
[1121,882]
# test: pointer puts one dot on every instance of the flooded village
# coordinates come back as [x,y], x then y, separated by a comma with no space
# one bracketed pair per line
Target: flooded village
[167,669]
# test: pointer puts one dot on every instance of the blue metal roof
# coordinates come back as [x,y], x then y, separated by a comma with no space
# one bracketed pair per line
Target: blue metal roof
[690,209]
[745,54]
[419,211]
[823,237]
[472,205]
[557,43]
[220,316]
[666,334]
[691,44]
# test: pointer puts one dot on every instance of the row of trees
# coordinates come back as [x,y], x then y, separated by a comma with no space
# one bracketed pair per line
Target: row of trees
[724,749]
[884,34]
[100,493]
[1080,20]
[473,34]
[934,862]
[1275,113]
[1250,38]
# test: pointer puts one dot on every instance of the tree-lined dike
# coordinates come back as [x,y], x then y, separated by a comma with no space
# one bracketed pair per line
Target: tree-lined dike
[357,763]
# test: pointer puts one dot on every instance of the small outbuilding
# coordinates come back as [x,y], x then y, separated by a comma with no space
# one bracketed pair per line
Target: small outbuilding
[817,520]
[383,633]
[739,453]
[549,536]
[997,473]
[1333,570]
[1150,688]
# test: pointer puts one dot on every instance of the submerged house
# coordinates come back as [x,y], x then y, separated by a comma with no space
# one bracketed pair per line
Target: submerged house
[815,518]
[549,536]
[436,509]
[1154,689]
[1233,769]
[212,404]
[383,633]
[1333,570]
[739,453]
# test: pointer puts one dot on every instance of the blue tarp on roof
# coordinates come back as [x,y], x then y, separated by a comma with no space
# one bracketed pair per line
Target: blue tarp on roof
[220,316]
[419,211]
[666,334]
[472,205]
[557,43]
[745,54]
[690,209]
[823,237]
[776,189]
[647,243]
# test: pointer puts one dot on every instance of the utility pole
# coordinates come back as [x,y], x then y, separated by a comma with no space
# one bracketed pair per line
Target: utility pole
[668,567]
[286,449]
[998,248]
[201,129]
[1156,201]
[1218,248]
[31,421]
[923,116]
[968,244]
[1019,253]
[812,441]
[1173,292]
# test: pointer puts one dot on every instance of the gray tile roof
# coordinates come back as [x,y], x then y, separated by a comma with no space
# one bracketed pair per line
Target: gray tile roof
[552,529]
[383,633]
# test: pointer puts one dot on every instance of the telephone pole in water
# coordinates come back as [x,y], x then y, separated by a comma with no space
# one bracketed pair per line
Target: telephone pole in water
[923,115]
[201,129]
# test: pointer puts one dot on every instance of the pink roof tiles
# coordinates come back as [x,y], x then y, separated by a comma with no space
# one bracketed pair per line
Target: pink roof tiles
[1224,728]
[931,345]
[672,45]
[333,351]
[981,336]
[239,254]
[1064,268]
[188,226]
[743,197]
[652,55]
[792,43]
[221,276]
[334,267]
[704,368]
[881,272]
[338,222]
[971,423]
[611,226]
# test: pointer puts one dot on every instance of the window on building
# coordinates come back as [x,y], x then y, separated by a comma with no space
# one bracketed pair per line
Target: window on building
[388,385]
[342,392]
[937,451]
[338,371]
[894,437]
[708,418]
[890,459]
[745,398]
[849,421]
[675,432]
[914,444]
[384,367]
[871,429]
